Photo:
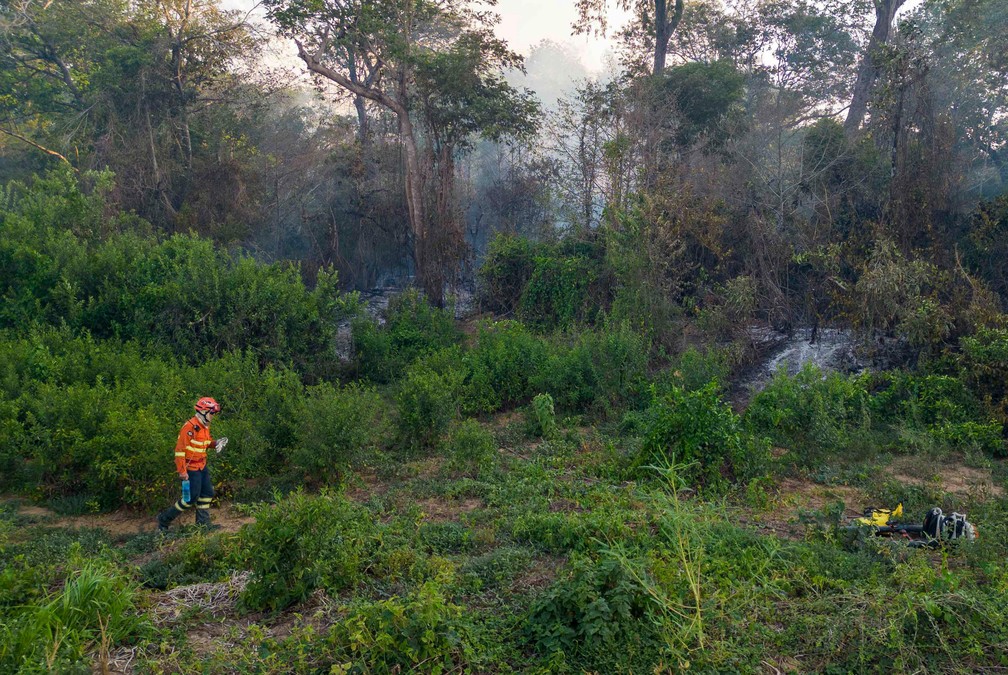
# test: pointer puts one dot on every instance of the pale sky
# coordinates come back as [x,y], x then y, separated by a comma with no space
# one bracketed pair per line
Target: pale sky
[525,23]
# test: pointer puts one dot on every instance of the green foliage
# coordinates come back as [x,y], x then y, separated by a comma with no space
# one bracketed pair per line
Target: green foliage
[816,416]
[180,294]
[96,604]
[600,617]
[561,292]
[700,432]
[502,365]
[423,631]
[496,568]
[428,401]
[505,273]
[813,415]
[470,448]
[99,419]
[446,537]
[601,368]
[704,94]
[199,558]
[984,367]
[896,294]
[335,424]
[544,415]
[412,328]
[303,543]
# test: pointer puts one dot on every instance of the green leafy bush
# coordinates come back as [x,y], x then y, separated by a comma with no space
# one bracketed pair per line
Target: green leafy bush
[198,558]
[421,632]
[700,432]
[303,543]
[984,364]
[428,403]
[544,415]
[335,425]
[813,415]
[412,328]
[600,617]
[501,366]
[180,294]
[98,419]
[560,292]
[470,448]
[505,272]
[496,568]
[601,368]
[447,537]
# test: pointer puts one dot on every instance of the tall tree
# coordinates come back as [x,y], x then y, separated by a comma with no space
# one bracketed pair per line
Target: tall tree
[131,85]
[436,66]
[654,20]
[868,71]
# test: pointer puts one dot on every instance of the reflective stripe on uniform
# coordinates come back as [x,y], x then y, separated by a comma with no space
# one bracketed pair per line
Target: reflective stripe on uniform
[181,505]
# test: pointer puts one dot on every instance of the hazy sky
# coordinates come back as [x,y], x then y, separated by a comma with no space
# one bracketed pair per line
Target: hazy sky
[527,22]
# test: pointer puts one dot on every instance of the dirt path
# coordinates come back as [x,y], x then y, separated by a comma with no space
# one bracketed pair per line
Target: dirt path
[123,522]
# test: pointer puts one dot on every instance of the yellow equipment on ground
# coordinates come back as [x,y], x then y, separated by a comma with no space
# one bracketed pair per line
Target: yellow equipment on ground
[881,517]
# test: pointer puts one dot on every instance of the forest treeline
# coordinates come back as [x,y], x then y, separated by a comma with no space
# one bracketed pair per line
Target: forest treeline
[801,164]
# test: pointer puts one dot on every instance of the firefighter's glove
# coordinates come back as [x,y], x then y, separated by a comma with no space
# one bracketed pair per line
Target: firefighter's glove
[221,442]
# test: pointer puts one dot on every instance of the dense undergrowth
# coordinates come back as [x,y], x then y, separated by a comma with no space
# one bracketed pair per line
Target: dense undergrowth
[550,489]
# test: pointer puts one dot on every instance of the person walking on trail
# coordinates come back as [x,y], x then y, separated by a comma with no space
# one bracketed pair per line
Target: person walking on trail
[194,440]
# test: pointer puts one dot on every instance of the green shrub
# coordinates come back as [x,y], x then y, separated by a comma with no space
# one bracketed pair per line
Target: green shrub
[303,543]
[422,632]
[693,370]
[601,368]
[560,292]
[813,415]
[94,422]
[412,328]
[501,366]
[699,431]
[179,294]
[428,403]
[544,415]
[334,425]
[496,568]
[505,273]
[470,448]
[447,537]
[199,558]
[983,437]
[600,617]
[984,365]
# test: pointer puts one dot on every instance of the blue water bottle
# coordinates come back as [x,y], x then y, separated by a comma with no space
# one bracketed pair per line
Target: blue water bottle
[185,491]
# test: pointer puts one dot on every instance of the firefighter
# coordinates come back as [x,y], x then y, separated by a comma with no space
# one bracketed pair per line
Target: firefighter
[194,441]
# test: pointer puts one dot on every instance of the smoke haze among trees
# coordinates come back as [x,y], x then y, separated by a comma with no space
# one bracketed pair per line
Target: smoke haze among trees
[802,163]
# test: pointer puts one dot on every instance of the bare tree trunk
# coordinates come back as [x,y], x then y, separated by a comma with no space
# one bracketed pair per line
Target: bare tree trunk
[868,71]
[664,27]
[363,132]
[418,214]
